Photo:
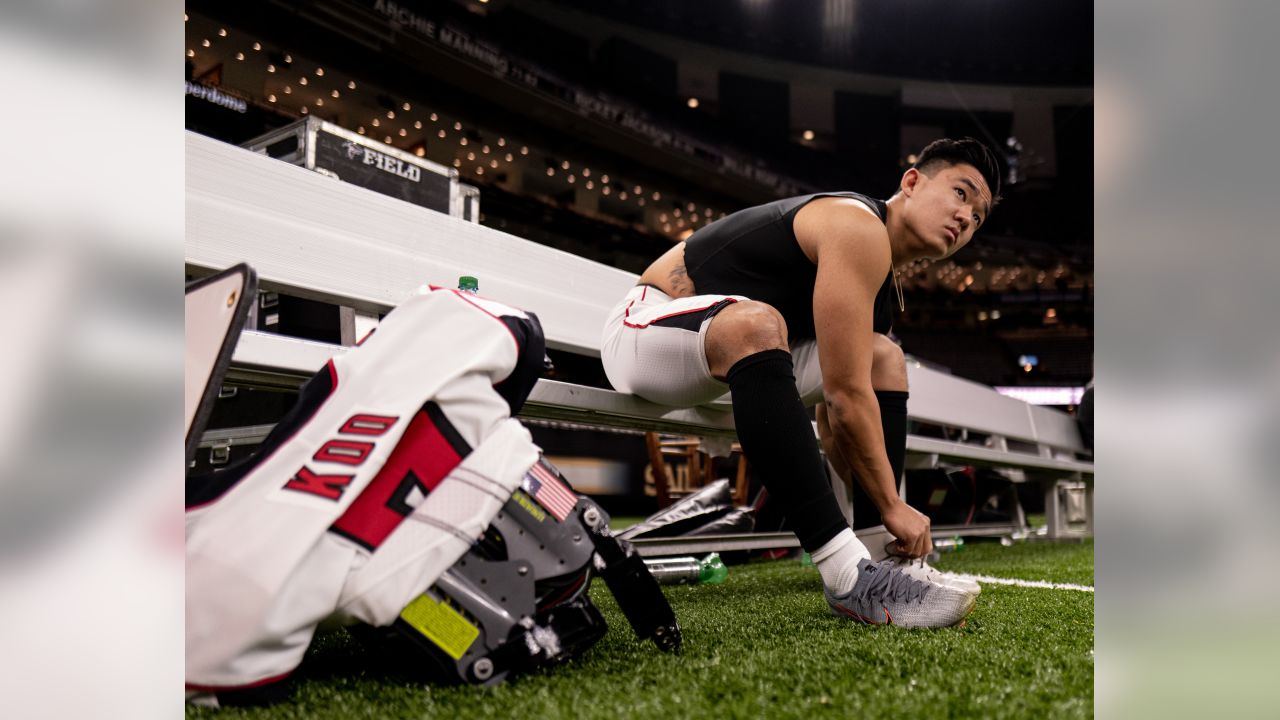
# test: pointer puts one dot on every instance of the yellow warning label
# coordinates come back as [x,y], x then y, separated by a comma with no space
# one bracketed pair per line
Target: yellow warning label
[527,503]
[441,624]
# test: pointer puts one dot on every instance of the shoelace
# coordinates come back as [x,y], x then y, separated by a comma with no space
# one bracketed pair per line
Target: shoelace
[931,573]
[909,561]
[889,582]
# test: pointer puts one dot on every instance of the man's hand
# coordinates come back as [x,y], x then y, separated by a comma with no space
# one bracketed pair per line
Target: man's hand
[910,527]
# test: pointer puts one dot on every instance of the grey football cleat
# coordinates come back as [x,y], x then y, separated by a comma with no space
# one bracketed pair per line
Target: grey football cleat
[884,595]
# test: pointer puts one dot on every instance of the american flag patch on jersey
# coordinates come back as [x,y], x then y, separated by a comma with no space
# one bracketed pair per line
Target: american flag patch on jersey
[547,489]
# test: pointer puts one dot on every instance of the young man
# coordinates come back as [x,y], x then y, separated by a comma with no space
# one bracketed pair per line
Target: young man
[786,305]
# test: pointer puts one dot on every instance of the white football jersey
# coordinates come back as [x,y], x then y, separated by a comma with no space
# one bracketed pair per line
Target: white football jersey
[395,459]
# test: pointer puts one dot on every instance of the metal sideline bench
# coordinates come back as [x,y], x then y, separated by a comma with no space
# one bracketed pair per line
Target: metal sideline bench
[314,237]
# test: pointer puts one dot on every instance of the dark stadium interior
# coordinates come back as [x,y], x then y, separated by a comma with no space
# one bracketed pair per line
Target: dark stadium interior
[579,124]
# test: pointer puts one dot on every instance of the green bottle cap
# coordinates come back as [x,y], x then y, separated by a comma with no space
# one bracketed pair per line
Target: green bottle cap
[467,283]
[713,570]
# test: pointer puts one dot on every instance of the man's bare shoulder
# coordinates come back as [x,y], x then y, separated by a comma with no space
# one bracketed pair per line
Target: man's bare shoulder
[842,227]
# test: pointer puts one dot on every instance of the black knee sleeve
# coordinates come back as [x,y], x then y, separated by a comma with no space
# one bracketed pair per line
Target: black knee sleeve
[777,438]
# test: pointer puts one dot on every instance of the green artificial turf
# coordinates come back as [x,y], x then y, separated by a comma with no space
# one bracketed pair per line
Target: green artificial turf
[762,645]
[1055,562]
[622,522]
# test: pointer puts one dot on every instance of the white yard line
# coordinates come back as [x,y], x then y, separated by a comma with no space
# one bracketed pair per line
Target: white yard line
[1026,583]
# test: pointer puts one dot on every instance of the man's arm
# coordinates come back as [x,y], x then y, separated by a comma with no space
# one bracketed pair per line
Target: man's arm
[851,248]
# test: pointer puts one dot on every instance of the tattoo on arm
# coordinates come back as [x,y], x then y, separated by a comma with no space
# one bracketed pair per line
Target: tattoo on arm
[681,285]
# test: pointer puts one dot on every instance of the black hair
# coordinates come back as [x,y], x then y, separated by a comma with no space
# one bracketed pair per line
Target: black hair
[947,152]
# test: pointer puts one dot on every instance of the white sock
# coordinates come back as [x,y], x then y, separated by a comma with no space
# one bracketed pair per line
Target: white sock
[837,560]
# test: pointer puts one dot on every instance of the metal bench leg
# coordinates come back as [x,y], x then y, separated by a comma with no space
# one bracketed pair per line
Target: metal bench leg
[1052,509]
[1055,510]
[354,325]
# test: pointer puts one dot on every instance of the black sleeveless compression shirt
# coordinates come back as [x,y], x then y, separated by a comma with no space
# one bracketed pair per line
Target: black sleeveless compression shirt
[754,252]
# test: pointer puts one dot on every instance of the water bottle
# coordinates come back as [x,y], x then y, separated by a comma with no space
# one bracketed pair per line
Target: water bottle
[469,285]
[954,543]
[688,570]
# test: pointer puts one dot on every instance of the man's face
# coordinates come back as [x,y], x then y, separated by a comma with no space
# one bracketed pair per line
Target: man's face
[948,208]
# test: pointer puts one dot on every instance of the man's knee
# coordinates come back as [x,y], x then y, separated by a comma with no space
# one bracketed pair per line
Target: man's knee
[741,329]
[888,365]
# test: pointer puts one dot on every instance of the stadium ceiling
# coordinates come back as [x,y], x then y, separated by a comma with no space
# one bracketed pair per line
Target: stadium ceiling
[1046,42]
